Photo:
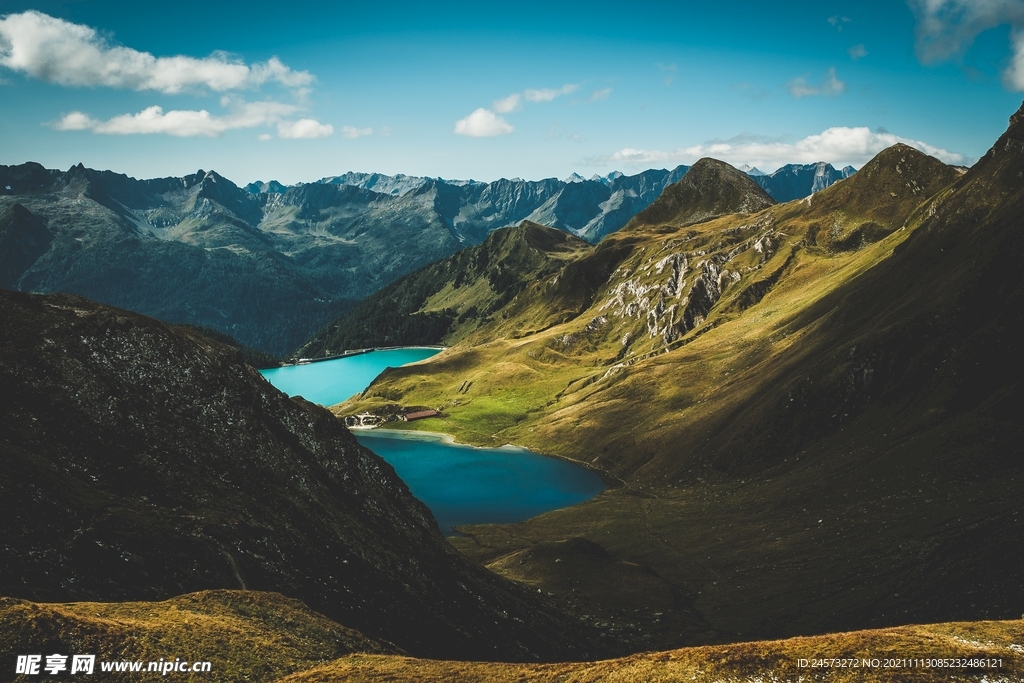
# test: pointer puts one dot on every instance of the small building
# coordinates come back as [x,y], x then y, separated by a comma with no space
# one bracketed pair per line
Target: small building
[362,421]
[419,415]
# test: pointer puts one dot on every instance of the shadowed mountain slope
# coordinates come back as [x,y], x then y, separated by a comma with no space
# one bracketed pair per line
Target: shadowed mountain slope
[443,302]
[796,181]
[812,407]
[140,462]
[23,239]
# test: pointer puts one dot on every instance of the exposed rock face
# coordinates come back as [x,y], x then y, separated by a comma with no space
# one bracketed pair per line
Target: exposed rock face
[796,181]
[141,462]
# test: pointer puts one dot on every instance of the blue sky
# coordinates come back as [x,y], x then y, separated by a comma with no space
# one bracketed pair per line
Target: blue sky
[264,91]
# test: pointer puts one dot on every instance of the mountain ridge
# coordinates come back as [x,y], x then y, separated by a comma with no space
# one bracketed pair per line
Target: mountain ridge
[842,358]
[270,264]
[127,440]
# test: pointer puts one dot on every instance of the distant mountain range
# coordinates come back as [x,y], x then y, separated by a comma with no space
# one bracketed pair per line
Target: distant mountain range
[270,264]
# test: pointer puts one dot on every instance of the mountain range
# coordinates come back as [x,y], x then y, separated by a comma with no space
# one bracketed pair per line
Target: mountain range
[809,403]
[269,264]
[806,410]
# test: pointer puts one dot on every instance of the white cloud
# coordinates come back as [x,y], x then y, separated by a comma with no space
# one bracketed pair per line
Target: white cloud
[857,51]
[482,123]
[601,94]
[304,129]
[486,122]
[508,104]
[839,146]
[1014,74]
[201,123]
[548,94]
[829,86]
[57,51]
[263,137]
[946,29]
[514,102]
[352,132]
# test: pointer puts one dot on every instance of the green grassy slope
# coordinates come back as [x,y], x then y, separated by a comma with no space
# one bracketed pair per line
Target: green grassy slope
[810,406]
[445,301]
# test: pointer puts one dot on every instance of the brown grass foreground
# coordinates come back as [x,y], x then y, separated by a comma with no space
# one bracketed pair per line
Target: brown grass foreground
[246,635]
[263,637]
[999,642]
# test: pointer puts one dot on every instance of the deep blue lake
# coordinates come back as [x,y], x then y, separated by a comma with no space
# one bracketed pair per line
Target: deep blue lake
[460,484]
[467,485]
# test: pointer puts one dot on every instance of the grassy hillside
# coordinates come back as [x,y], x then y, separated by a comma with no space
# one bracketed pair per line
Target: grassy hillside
[809,406]
[245,635]
[264,637]
[997,643]
[445,301]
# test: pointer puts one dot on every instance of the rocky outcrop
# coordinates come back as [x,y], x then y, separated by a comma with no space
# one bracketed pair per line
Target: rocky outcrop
[796,181]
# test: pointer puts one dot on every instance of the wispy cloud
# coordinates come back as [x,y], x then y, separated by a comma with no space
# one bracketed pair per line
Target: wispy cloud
[946,29]
[485,123]
[548,94]
[351,132]
[838,21]
[57,51]
[829,86]
[602,94]
[857,52]
[839,146]
[752,91]
[482,123]
[508,104]
[670,71]
[304,129]
[559,133]
[199,123]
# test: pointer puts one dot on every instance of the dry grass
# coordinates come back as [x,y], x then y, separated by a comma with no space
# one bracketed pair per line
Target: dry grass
[772,661]
[246,635]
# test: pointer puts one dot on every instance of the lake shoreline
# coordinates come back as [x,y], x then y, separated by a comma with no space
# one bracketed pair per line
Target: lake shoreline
[611,480]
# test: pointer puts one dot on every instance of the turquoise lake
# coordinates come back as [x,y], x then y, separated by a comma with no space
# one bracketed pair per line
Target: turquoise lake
[460,484]
[332,381]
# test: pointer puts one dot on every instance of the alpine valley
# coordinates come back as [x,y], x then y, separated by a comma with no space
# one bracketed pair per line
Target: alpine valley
[269,265]
[803,402]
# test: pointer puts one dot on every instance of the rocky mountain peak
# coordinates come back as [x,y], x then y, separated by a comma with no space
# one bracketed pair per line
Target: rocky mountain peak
[709,189]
